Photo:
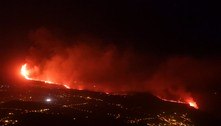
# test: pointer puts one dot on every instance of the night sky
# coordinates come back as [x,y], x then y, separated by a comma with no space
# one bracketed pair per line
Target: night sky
[170,43]
[164,27]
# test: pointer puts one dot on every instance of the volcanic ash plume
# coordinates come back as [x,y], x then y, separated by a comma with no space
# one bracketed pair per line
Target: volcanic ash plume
[81,65]
[95,66]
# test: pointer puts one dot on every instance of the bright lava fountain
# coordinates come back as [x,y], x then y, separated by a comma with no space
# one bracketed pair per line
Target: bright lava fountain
[26,73]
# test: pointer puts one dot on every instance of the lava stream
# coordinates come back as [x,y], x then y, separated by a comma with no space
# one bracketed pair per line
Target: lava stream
[188,101]
[26,73]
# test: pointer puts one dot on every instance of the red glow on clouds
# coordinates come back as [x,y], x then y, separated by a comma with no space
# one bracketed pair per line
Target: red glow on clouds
[86,64]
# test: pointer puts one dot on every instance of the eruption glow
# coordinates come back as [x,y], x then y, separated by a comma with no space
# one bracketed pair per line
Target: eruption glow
[192,103]
[188,101]
[25,72]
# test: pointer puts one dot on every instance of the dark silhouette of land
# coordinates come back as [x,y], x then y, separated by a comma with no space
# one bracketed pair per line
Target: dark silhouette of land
[27,105]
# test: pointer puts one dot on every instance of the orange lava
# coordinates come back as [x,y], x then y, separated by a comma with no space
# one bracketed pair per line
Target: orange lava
[66,86]
[26,74]
[188,101]
[192,103]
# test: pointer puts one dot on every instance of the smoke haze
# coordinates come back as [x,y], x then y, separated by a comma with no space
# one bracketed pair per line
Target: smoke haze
[89,64]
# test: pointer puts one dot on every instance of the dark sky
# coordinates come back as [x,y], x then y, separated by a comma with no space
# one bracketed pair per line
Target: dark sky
[170,26]
[151,27]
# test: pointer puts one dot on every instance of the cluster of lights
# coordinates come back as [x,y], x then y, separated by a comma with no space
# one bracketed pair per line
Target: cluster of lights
[89,104]
[37,110]
[163,119]
[8,122]
[175,120]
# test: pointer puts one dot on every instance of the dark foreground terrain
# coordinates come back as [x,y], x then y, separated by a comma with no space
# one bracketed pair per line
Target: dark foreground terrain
[48,105]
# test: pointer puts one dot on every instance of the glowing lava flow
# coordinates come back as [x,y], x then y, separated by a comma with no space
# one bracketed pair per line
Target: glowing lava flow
[189,101]
[68,87]
[192,103]
[26,73]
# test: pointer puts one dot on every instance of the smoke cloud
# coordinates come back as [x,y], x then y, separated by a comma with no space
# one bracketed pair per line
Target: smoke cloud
[90,64]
